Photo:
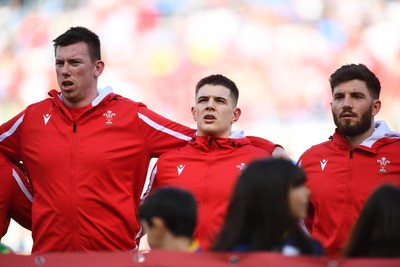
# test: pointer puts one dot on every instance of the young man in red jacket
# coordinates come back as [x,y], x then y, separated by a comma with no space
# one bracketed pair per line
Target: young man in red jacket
[209,165]
[15,196]
[86,151]
[361,154]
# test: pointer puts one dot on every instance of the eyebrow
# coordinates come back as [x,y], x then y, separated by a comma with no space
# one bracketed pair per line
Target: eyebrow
[216,97]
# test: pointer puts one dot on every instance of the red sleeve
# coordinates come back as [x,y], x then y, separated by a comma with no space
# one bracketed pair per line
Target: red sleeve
[5,196]
[152,185]
[10,137]
[15,198]
[262,143]
[162,134]
[21,202]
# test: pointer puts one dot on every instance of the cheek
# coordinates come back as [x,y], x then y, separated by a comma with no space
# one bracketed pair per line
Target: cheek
[335,108]
[298,199]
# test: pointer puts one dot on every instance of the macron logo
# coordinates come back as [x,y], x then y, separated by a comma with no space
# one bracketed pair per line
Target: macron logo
[46,118]
[323,163]
[180,168]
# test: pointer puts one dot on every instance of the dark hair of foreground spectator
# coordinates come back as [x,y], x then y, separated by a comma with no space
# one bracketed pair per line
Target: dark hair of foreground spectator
[376,232]
[259,215]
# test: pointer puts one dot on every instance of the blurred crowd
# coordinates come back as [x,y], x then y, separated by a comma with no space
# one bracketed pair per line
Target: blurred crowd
[280,53]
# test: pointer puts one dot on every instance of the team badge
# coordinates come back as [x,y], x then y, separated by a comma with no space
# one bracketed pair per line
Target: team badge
[109,116]
[383,162]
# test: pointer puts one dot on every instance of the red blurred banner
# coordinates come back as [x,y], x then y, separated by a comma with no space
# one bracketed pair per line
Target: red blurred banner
[172,259]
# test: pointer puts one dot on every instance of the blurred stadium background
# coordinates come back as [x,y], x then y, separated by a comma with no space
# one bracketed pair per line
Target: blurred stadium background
[280,53]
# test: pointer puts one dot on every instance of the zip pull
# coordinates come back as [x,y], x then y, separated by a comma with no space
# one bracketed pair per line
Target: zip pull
[74,127]
[351,154]
[210,142]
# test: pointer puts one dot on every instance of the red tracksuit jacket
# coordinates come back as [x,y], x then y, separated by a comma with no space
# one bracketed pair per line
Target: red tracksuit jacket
[341,178]
[88,173]
[15,196]
[208,167]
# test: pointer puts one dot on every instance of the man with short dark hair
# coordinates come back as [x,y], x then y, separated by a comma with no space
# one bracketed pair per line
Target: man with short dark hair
[86,151]
[210,163]
[361,154]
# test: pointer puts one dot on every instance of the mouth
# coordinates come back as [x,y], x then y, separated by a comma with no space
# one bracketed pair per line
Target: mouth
[67,84]
[347,115]
[209,118]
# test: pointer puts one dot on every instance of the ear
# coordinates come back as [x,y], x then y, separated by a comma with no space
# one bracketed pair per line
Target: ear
[158,225]
[236,115]
[193,110]
[99,67]
[376,106]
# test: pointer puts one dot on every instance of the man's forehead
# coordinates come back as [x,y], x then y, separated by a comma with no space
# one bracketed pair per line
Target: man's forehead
[210,90]
[352,86]
[74,50]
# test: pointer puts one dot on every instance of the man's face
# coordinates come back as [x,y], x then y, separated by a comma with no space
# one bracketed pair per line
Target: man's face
[77,74]
[353,108]
[214,111]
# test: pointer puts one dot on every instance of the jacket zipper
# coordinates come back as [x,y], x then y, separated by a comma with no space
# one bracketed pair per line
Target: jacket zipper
[208,174]
[73,197]
[349,188]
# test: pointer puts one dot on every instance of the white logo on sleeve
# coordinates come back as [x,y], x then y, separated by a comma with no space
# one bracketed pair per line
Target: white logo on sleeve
[180,168]
[323,163]
[46,118]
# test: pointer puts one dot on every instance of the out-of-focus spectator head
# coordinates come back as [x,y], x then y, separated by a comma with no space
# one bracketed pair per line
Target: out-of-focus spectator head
[264,208]
[376,232]
[166,214]
[270,181]
[356,72]
[80,34]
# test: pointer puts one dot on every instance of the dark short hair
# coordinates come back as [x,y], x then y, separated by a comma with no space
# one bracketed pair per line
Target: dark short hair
[218,79]
[80,34]
[356,72]
[176,207]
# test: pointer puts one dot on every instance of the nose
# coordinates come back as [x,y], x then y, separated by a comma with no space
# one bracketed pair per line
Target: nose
[347,102]
[65,69]
[210,104]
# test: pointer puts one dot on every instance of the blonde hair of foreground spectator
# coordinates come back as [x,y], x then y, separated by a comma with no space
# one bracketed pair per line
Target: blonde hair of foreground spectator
[268,201]
[376,232]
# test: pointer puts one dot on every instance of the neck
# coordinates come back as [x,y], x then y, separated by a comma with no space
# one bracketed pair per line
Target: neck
[177,243]
[358,139]
[223,135]
[83,102]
